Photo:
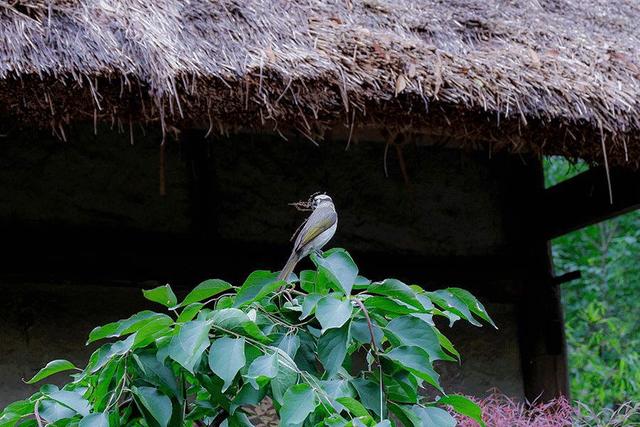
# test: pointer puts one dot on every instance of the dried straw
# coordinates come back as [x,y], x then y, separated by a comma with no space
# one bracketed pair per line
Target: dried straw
[525,75]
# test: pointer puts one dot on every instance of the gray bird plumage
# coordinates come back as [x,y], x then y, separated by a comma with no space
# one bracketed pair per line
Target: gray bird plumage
[316,232]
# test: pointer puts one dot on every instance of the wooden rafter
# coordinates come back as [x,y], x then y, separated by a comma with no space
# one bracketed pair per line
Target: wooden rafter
[585,200]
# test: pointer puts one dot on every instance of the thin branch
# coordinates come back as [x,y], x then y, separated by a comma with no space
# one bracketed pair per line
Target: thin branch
[374,347]
[36,413]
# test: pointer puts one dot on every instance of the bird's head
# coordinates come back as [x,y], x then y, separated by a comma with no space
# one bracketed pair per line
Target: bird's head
[319,199]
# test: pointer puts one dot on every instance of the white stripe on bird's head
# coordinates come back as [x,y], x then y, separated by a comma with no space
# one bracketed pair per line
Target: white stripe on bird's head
[319,199]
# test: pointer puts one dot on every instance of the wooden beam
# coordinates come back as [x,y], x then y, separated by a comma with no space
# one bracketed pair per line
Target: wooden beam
[540,319]
[585,200]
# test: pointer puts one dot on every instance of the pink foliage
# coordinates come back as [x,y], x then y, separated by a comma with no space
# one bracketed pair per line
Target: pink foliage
[500,411]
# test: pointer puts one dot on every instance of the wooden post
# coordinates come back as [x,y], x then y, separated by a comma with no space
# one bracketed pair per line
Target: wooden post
[541,321]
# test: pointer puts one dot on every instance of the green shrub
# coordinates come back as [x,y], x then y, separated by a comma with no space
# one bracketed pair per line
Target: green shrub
[225,347]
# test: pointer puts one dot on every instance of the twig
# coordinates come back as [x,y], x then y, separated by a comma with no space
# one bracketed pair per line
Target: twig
[374,347]
[36,413]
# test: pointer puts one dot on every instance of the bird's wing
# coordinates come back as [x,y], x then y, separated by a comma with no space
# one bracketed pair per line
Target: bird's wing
[321,219]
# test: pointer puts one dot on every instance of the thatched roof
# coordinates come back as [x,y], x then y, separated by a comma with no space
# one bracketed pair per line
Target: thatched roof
[552,76]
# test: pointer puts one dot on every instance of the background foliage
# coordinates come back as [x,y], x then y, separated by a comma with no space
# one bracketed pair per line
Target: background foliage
[602,312]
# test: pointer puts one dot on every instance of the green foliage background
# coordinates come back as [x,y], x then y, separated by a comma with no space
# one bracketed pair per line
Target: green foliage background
[602,308]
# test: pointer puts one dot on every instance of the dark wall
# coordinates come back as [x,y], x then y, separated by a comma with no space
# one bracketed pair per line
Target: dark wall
[88,213]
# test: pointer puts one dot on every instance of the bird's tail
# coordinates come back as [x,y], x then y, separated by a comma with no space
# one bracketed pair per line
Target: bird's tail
[289,266]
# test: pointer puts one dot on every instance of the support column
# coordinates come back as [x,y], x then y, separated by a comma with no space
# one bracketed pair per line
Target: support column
[541,321]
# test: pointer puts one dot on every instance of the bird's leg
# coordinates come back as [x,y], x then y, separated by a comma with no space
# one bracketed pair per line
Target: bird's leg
[318,252]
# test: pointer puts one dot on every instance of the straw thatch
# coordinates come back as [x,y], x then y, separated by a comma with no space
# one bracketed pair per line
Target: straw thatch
[552,76]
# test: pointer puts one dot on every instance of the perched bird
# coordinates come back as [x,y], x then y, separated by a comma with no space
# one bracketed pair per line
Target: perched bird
[318,229]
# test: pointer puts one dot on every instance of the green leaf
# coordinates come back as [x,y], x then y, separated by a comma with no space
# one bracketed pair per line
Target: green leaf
[226,358]
[248,396]
[189,312]
[285,378]
[369,393]
[235,320]
[162,295]
[361,283]
[387,306]
[338,269]
[19,408]
[353,406]
[333,312]
[332,349]
[335,389]
[433,417]
[472,303]
[100,394]
[157,373]
[9,419]
[124,326]
[415,360]
[239,419]
[289,344]
[334,420]
[409,330]
[53,411]
[205,290]
[148,332]
[189,343]
[361,333]
[99,419]
[309,305]
[446,344]
[397,290]
[104,354]
[299,402]
[463,406]
[52,368]
[405,415]
[308,281]
[71,400]
[262,370]
[447,301]
[226,301]
[157,404]
[214,385]
[258,285]
[402,387]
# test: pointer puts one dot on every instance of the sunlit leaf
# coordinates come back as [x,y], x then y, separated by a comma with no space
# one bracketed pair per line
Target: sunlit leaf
[262,370]
[188,345]
[258,285]
[333,312]
[52,368]
[226,358]
[464,406]
[337,268]
[205,290]
[162,295]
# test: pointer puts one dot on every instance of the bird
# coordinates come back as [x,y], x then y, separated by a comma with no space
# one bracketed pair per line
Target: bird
[316,231]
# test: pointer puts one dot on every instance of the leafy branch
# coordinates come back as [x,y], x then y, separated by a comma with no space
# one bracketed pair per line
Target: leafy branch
[226,348]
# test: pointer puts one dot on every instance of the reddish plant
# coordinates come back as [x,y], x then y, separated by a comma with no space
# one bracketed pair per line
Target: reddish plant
[499,410]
